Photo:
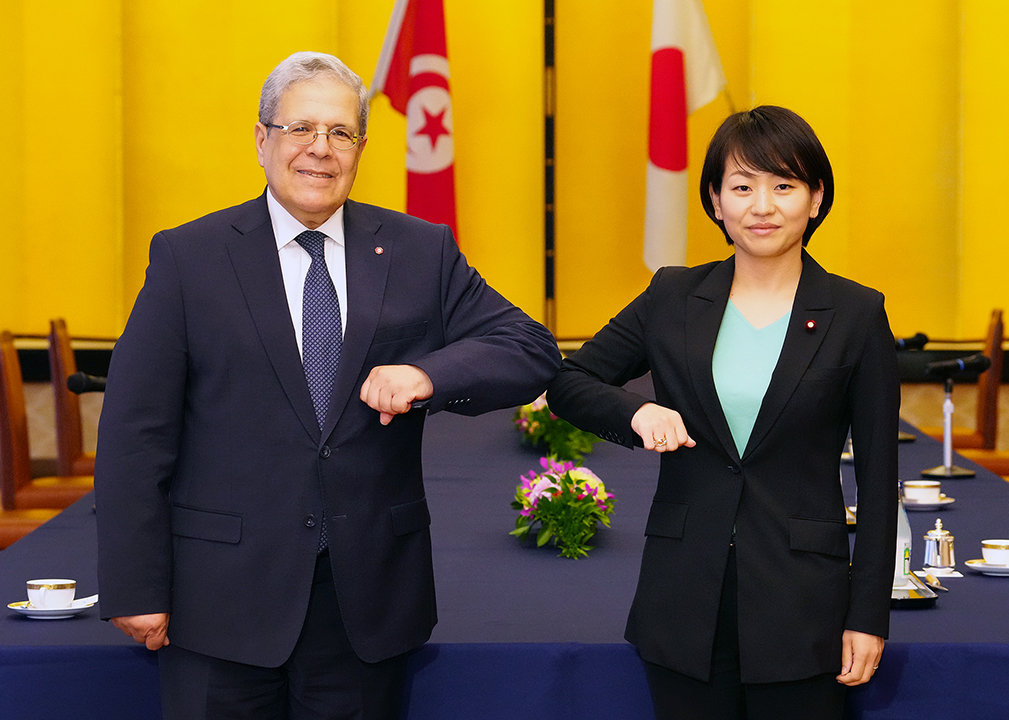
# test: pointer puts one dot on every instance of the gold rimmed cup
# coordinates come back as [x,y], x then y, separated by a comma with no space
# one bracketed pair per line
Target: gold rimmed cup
[921,491]
[51,593]
[995,552]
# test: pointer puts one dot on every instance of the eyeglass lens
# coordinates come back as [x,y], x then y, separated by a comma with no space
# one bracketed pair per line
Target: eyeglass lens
[305,133]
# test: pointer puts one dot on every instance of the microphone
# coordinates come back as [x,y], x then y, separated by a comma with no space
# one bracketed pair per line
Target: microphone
[912,343]
[81,382]
[948,368]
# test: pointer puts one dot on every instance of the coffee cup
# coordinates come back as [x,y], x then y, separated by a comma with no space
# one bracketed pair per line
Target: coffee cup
[995,552]
[51,593]
[921,491]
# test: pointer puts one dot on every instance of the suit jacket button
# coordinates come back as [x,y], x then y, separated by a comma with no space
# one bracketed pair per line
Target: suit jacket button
[310,521]
[325,452]
[734,469]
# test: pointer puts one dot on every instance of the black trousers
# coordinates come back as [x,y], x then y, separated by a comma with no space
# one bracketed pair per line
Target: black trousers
[725,697]
[322,680]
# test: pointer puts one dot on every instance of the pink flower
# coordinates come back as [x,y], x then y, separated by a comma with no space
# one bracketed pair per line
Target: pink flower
[541,488]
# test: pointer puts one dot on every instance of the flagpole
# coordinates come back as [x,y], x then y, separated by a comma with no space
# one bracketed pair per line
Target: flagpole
[728,99]
[549,106]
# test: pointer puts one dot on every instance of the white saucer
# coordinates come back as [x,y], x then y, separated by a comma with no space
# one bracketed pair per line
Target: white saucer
[915,505]
[987,568]
[76,607]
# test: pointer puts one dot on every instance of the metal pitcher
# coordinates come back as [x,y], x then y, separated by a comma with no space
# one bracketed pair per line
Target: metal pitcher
[939,548]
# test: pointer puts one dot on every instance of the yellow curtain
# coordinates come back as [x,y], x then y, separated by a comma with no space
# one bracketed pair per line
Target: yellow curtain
[109,107]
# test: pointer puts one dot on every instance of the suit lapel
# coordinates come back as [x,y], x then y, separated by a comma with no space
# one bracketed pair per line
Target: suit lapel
[813,302]
[368,262]
[253,253]
[705,309]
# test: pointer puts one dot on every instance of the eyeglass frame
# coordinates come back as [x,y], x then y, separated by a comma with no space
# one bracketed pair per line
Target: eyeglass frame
[329,134]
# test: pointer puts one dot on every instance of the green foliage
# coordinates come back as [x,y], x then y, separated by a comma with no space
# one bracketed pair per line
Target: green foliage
[557,437]
[567,502]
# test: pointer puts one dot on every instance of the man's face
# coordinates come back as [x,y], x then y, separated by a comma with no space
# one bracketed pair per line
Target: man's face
[311,181]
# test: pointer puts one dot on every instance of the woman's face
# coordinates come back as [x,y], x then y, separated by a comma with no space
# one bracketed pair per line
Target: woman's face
[764,214]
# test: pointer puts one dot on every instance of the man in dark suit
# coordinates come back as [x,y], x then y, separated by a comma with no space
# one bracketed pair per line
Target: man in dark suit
[258,480]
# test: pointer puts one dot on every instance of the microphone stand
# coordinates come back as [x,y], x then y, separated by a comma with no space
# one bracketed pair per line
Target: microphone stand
[947,469]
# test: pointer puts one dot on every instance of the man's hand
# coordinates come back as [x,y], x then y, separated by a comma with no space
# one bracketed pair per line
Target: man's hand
[860,656]
[152,630]
[391,388]
[660,428]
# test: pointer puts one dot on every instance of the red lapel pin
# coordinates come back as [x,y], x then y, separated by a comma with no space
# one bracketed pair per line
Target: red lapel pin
[811,326]
[379,250]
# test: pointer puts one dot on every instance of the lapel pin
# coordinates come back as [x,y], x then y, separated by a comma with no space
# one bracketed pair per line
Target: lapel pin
[379,250]
[811,326]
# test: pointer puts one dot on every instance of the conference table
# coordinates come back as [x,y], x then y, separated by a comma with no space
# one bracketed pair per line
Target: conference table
[523,632]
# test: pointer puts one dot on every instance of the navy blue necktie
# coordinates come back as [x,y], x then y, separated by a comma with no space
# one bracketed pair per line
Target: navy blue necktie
[321,327]
[321,335]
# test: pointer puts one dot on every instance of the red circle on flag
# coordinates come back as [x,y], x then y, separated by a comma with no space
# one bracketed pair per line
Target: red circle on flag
[667,129]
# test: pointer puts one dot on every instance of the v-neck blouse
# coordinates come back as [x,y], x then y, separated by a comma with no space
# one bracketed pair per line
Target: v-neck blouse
[742,364]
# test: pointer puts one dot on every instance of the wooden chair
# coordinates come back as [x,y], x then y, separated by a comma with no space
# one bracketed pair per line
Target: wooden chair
[985,432]
[995,460]
[70,456]
[18,491]
[15,524]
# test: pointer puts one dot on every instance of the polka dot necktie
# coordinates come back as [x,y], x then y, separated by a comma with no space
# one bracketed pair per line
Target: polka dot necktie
[321,333]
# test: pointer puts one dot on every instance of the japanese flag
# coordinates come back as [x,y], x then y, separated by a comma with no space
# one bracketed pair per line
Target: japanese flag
[686,75]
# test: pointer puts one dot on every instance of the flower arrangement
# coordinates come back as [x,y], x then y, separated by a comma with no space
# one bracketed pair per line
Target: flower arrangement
[559,438]
[567,501]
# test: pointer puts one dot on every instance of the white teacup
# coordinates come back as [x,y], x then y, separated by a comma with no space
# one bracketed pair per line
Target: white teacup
[51,593]
[922,491]
[995,552]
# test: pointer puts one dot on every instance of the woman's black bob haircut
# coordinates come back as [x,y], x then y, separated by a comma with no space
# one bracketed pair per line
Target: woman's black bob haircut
[774,140]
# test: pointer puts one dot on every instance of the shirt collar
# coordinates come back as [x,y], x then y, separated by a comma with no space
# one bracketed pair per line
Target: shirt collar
[286,227]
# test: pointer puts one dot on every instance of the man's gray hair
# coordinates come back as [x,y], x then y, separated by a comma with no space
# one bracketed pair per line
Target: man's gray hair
[302,66]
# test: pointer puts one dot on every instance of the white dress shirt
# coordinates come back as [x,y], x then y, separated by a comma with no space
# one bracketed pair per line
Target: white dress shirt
[295,260]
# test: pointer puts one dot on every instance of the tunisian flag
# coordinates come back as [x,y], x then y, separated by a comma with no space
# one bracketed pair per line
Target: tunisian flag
[686,75]
[413,72]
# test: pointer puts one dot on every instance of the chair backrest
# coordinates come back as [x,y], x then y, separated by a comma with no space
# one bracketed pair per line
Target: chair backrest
[67,406]
[988,384]
[15,459]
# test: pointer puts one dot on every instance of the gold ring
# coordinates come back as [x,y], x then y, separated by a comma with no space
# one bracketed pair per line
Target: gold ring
[661,442]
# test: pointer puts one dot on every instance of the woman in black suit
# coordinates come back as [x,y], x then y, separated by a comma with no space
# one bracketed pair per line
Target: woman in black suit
[748,604]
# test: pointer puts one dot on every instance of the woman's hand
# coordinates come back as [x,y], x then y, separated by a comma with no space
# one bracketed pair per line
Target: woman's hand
[860,654]
[660,428]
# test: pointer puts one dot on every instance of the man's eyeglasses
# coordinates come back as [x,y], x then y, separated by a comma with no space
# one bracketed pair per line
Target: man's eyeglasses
[304,133]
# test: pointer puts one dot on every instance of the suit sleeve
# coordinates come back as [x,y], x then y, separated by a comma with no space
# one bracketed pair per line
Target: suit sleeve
[138,442]
[588,392]
[494,354]
[875,408]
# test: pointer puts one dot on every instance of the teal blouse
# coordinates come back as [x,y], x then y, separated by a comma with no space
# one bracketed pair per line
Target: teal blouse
[742,364]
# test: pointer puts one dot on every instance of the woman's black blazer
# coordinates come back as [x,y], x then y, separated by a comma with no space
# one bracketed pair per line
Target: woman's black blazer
[782,497]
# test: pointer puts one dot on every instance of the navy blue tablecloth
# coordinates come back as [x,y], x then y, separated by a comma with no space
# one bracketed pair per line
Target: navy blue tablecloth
[523,633]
